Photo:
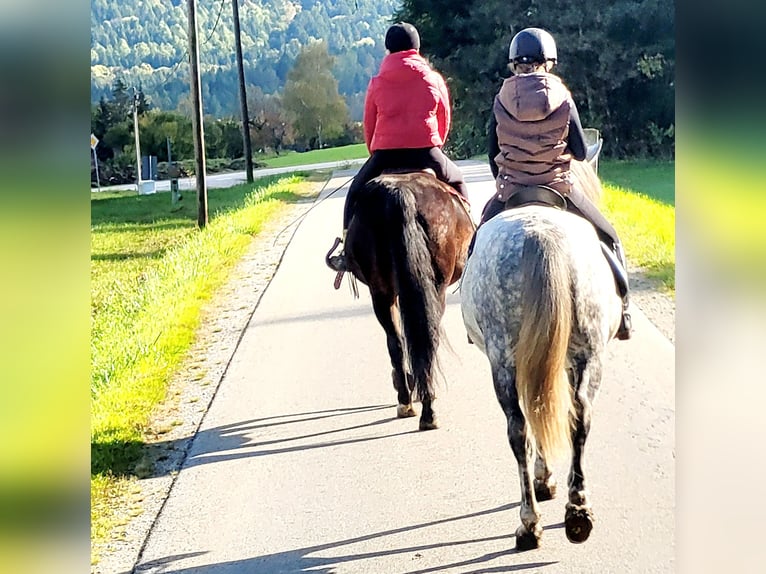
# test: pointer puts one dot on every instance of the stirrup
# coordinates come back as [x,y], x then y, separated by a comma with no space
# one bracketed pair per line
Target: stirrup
[625,330]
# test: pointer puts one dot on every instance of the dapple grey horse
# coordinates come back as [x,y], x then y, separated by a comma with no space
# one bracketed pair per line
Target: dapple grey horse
[539,299]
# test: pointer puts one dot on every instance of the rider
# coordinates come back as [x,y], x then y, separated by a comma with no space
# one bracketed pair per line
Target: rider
[534,133]
[406,121]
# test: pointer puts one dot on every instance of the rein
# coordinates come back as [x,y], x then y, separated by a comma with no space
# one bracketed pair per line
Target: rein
[316,203]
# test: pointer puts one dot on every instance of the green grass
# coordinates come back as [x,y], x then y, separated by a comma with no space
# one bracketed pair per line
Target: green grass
[344,153]
[152,271]
[654,179]
[639,200]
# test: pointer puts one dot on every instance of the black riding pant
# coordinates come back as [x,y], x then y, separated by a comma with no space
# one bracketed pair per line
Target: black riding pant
[416,158]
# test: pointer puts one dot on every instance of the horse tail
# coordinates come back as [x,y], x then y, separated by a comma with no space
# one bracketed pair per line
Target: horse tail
[546,324]
[419,305]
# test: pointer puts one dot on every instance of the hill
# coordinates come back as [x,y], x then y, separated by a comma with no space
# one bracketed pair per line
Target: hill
[145,43]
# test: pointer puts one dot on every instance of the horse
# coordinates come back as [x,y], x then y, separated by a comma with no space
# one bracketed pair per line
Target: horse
[407,241]
[538,298]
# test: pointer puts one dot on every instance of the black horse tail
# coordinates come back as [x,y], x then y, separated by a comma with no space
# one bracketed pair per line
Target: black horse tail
[546,325]
[419,304]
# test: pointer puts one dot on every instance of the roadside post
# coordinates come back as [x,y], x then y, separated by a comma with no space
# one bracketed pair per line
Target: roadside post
[93,144]
[174,172]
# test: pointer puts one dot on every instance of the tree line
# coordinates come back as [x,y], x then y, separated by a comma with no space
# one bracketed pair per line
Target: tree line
[309,113]
[616,56]
[146,43]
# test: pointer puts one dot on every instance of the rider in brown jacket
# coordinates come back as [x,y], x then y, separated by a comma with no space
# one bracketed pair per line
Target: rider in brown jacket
[534,134]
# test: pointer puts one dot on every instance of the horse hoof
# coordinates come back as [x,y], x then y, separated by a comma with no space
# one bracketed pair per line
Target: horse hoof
[578,522]
[405,411]
[545,491]
[428,425]
[526,540]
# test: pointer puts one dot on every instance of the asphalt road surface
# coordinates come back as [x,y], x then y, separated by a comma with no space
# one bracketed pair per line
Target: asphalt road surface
[229,179]
[301,466]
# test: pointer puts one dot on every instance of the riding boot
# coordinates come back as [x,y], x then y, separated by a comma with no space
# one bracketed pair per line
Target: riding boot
[625,330]
[337,262]
[616,259]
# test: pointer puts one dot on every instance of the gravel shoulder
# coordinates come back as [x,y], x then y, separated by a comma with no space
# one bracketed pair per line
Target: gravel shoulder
[190,394]
[649,296]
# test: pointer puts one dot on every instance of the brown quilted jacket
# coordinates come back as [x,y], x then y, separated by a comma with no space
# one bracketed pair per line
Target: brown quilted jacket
[532,112]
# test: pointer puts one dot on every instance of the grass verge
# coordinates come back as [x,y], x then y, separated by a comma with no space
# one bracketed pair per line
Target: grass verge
[291,158]
[639,200]
[152,271]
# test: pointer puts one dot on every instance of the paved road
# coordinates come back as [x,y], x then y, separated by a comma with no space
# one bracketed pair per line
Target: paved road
[301,466]
[216,180]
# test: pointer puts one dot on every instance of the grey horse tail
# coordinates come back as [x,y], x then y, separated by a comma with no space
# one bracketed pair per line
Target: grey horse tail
[541,353]
[419,304]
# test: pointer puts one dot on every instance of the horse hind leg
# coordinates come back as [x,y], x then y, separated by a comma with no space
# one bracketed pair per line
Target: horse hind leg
[383,306]
[529,533]
[578,519]
[545,484]
[428,419]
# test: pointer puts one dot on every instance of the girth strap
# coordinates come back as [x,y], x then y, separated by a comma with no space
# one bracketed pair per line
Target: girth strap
[539,194]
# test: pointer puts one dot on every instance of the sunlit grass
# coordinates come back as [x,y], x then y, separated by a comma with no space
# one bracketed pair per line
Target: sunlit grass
[647,230]
[343,153]
[639,200]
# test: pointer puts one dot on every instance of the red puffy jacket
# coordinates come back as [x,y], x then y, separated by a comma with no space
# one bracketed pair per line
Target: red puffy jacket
[407,105]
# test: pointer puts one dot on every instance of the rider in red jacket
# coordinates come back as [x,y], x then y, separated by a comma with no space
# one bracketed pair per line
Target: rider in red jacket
[406,121]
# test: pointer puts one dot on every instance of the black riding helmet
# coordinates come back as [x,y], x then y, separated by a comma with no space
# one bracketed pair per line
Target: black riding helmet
[532,46]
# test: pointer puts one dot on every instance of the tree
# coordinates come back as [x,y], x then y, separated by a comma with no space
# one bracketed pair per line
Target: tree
[311,99]
[269,125]
[616,56]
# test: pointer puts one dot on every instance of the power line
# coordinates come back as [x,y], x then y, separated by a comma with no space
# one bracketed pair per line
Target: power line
[185,57]
[220,10]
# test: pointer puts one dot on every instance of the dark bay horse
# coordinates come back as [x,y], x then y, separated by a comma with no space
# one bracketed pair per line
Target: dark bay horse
[407,241]
[539,299]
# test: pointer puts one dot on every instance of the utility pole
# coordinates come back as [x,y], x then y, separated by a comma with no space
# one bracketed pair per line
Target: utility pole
[197,126]
[243,95]
[138,145]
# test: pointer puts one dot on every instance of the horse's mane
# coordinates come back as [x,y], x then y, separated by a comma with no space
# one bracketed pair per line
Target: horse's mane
[586,179]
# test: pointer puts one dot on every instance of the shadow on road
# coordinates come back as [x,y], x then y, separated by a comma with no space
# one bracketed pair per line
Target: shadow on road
[301,559]
[236,437]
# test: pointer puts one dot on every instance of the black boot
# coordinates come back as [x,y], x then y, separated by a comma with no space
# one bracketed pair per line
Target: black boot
[337,262]
[625,330]
[616,259]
